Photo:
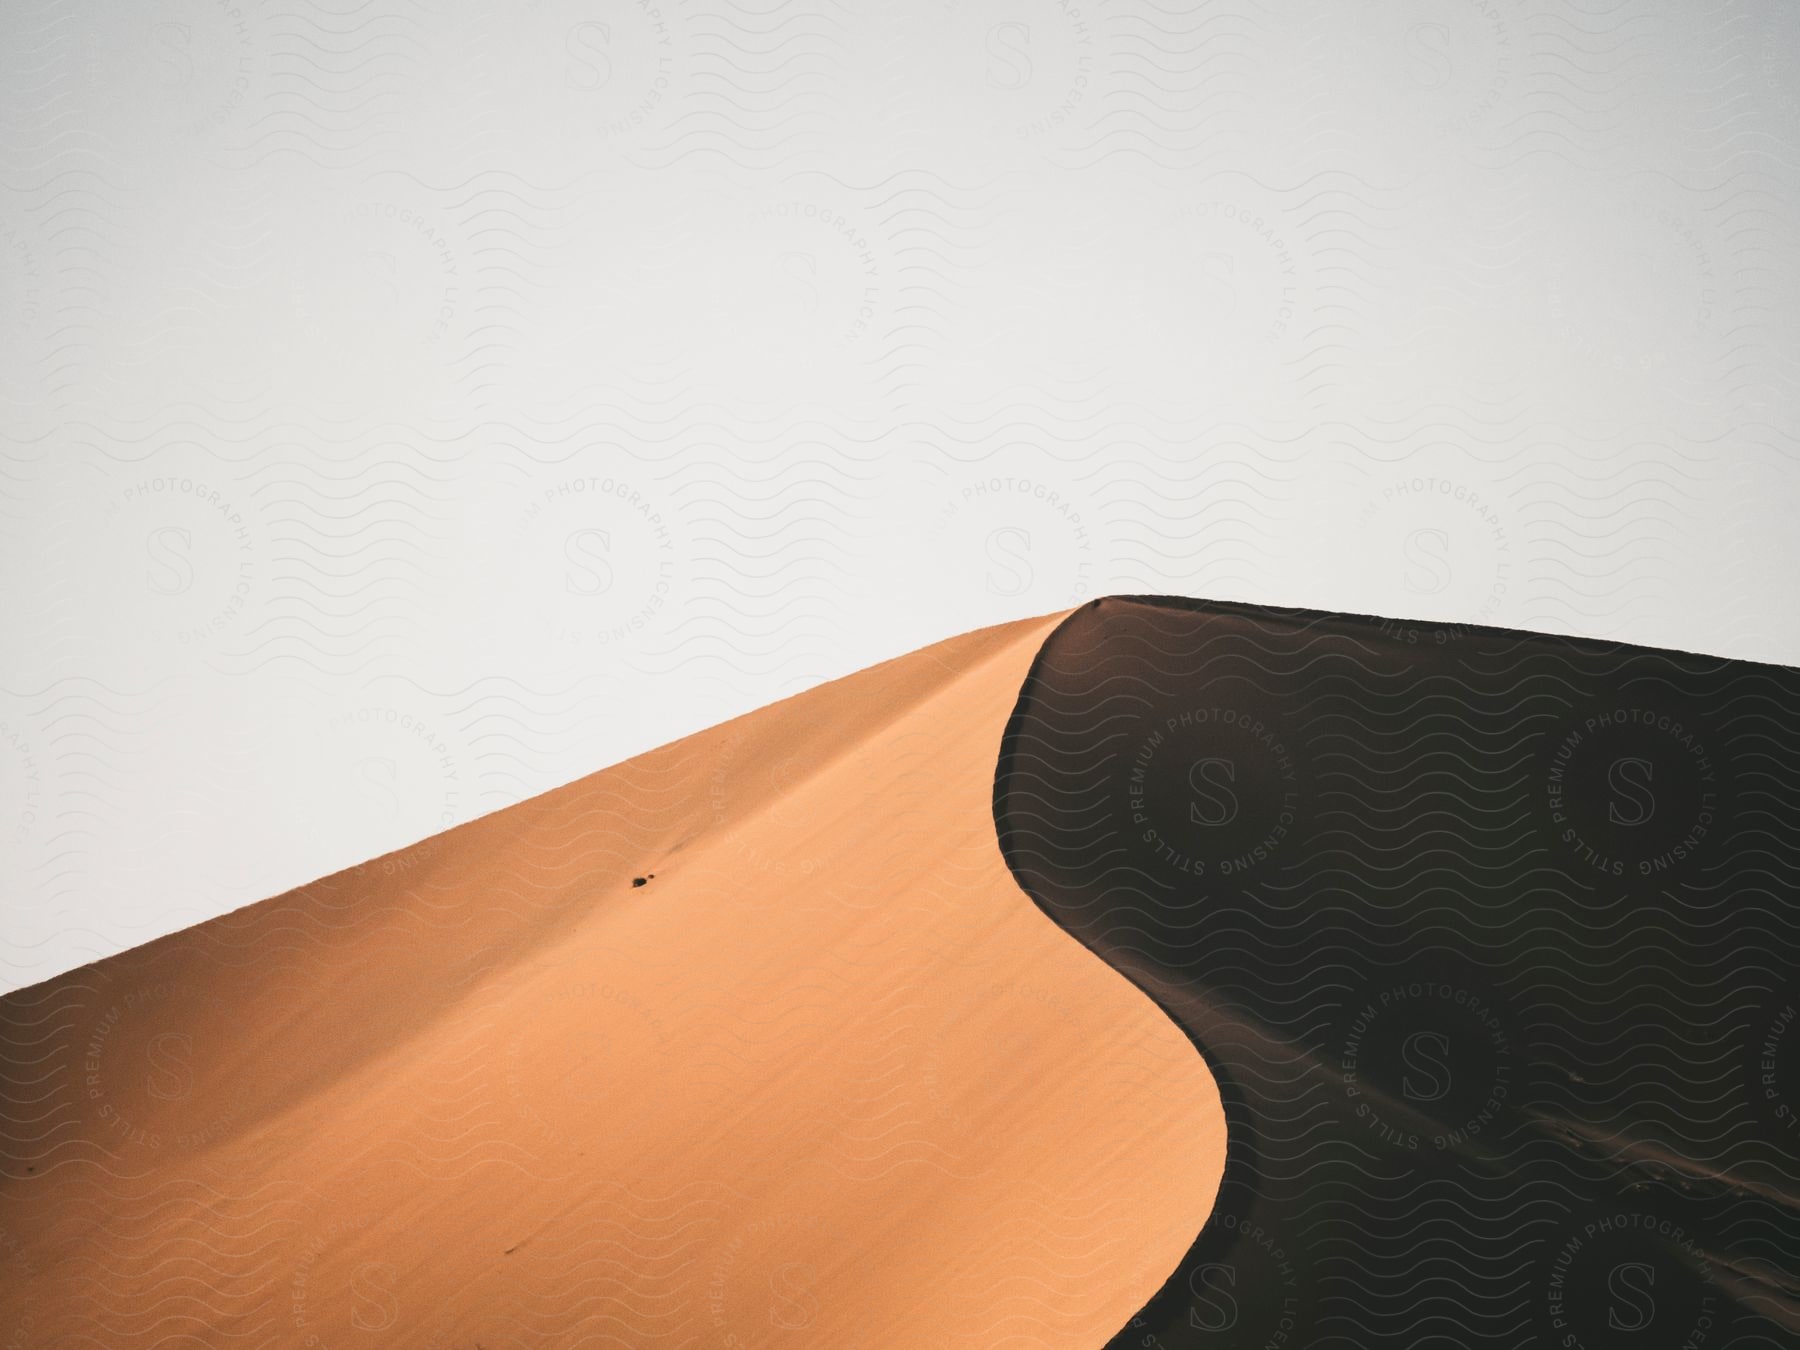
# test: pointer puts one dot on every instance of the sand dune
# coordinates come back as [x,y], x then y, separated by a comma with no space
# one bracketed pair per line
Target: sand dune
[1492,940]
[827,1077]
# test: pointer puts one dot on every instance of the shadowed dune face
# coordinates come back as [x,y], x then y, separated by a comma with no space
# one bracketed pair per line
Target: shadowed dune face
[825,1078]
[1493,943]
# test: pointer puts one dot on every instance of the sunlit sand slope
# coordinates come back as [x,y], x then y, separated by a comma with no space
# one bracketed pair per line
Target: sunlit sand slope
[826,1078]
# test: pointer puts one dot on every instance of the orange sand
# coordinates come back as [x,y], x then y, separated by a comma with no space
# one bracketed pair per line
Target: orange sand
[828,1079]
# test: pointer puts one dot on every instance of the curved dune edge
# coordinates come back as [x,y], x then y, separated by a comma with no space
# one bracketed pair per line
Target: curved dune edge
[827,1077]
[1504,1040]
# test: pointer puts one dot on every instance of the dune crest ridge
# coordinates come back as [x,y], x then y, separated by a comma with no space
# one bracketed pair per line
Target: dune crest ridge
[752,1040]
[1491,939]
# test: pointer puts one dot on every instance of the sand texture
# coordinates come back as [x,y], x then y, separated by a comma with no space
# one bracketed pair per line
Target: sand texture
[828,1077]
